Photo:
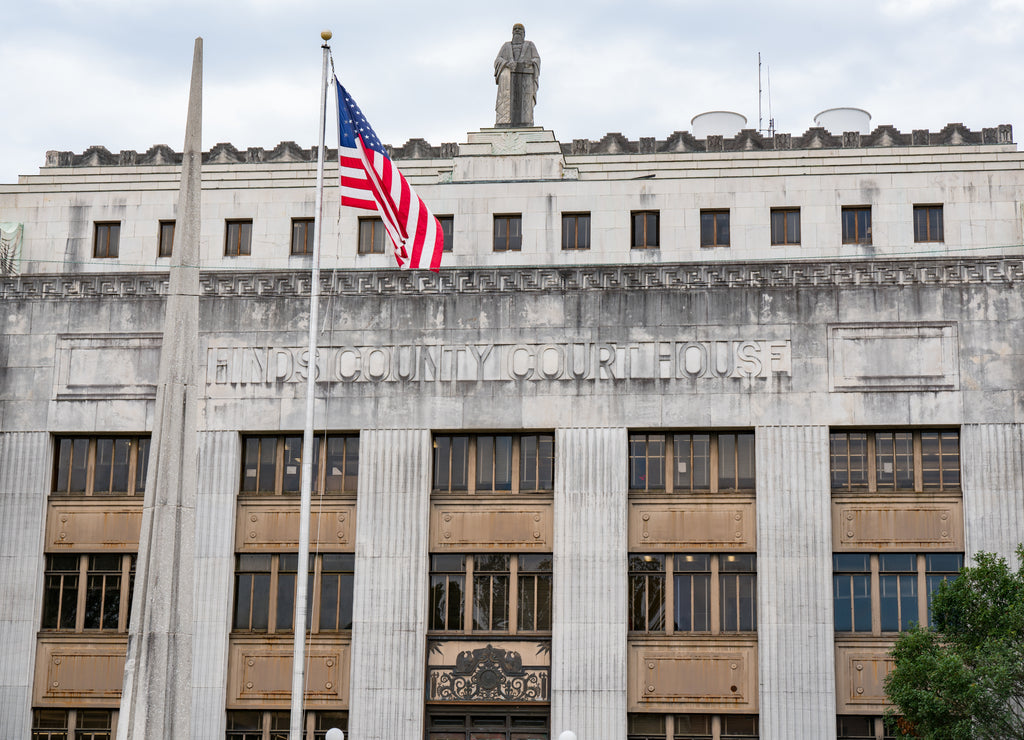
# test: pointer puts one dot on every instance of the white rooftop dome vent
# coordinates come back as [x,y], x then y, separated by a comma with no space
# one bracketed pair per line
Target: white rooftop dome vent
[840,120]
[717,123]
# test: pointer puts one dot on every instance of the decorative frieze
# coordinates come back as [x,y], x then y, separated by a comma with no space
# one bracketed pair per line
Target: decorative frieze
[474,672]
[466,527]
[694,675]
[677,276]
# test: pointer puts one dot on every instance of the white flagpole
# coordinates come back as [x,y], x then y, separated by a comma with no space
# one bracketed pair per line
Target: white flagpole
[297,720]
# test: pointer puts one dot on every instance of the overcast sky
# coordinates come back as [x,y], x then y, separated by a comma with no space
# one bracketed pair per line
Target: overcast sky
[115,72]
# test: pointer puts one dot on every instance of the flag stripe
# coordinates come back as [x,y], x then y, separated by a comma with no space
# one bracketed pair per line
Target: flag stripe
[365,171]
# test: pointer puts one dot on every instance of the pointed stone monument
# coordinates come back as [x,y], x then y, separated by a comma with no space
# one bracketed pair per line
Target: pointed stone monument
[156,699]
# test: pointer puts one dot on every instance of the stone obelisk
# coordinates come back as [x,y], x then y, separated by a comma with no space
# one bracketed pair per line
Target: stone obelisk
[156,700]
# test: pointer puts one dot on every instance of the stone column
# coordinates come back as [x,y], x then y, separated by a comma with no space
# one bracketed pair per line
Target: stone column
[24,484]
[795,636]
[992,461]
[588,645]
[389,604]
[219,463]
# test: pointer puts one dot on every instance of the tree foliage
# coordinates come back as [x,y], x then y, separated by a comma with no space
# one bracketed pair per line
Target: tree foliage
[964,678]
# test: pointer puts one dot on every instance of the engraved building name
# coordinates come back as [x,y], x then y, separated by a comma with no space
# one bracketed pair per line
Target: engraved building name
[430,363]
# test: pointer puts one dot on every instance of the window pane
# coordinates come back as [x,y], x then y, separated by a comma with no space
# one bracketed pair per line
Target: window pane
[745,472]
[849,461]
[141,465]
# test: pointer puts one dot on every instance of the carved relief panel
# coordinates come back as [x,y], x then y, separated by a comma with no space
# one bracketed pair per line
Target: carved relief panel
[101,525]
[861,668]
[693,675]
[676,525]
[273,526]
[469,527]
[87,674]
[478,671]
[260,672]
[912,524]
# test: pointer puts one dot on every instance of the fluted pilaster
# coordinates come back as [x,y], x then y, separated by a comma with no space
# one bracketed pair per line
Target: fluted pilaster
[219,463]
[389,612]
[588,647]
[992,459]
[795,637]
[24,467]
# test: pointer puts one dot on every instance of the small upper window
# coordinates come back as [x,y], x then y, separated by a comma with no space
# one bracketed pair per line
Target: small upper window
[238,238]
[691,462]
[644,230]
[575,231]
[714,228]
[928,224]
[857,225]
[894,460]
[448,229]
[108,234]
[100,465]
[372,236]
[492,463]
[785,226]
[508,233]
[302,236]
[166,239]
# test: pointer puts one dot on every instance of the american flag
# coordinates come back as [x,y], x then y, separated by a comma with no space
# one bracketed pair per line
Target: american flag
[370,180]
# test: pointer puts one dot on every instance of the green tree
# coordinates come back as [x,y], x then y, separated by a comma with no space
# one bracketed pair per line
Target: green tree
[963,679]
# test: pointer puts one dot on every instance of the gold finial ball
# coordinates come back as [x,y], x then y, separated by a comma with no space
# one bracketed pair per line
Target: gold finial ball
[326,35]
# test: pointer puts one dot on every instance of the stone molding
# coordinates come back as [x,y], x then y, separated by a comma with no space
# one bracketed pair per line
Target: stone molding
[679,276]
[952,134]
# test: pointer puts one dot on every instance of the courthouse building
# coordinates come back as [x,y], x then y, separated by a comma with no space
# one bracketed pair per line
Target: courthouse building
[682,435]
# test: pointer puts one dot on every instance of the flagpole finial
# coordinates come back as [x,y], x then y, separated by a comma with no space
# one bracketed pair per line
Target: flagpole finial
[326,35]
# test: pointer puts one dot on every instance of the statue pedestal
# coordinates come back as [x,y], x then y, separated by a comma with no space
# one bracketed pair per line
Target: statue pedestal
[509,154]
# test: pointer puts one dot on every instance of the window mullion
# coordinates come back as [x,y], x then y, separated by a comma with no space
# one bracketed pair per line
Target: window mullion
[275,571]
[90,467]
[876,598]
[872,466]
[279,465]
[513,595]
[716,598]
[515,463]
[716,726]
[83,586]
[713,472]
[670,593]
[922,592]
[313,594]
[670,463]
[470,463]
[126,594]
[467,614]
[918,474]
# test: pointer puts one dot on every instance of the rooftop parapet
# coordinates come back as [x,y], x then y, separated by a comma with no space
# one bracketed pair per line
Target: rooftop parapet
[953,134]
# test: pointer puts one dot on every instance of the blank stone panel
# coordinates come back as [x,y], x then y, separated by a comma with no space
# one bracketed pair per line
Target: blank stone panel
[992,457]
[219,465]
[794,583]
[588,646]
[389,612]
[23,489]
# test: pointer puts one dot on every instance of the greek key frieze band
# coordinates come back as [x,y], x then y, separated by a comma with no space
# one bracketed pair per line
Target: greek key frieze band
[679,276]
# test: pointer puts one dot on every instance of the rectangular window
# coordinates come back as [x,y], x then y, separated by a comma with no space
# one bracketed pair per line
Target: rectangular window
[486,723]
[302,235]
[250,724]
[874,461]
[856,225]
[448,229]
[107,236]
[273,464]
[265,592]
[89,466]
[237,238]
[508,233]
[785,226]
[79,724]
[504,592]
[644,230]
[575,231]
[691,462]
[373,236]
[928,224]
[714,228]
[166,239]
[494,463]
[651,726]
[103,604]
[678,593]
[898,579]
[857,727]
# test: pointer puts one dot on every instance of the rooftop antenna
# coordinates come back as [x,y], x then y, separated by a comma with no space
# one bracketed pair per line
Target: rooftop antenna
[760,119]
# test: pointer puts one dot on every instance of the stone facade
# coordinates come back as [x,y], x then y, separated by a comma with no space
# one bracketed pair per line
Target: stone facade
[794,343]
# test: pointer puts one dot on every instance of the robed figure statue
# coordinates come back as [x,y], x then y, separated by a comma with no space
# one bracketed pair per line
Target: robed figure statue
[517,75]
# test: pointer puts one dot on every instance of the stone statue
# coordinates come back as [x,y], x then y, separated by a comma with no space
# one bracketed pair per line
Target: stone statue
[517,75]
